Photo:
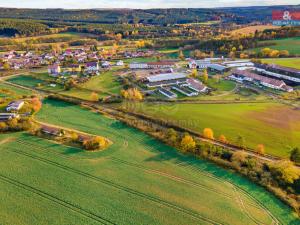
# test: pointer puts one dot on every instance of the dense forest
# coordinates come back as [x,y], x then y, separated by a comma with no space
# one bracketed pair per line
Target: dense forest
[11,27]
[149,16]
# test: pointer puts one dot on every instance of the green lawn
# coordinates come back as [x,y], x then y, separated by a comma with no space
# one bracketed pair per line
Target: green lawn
[221,85]
[137,180]
[14,91]
[105,82]
[290,44]
[289,62]
[276,126]
[26,81]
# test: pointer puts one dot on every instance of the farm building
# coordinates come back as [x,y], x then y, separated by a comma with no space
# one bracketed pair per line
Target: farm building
[8,116]
[196,85]
[152,65]
[167,93]
[285,73]
[246,76]
[51,131]
[217,68]
[166,79]
[199,64]
[185,90]
[238,63]
[15,106]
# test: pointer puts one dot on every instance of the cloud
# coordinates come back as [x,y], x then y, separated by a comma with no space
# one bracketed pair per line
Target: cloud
[83,4]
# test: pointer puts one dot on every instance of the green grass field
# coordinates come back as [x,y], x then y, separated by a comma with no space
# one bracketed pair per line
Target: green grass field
[137,180]
[276,126]
[26,81]
[14,91]
[105,82]
[289,62]
[290,44]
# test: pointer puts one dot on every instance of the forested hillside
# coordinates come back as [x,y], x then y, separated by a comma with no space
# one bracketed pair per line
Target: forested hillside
[11,27]
[149,16]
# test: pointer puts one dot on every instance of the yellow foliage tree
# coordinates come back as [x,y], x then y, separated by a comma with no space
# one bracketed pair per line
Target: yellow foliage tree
[194,73]
[223,139]
[187,143]
[94,97]
[260,149]
[285,171]
[208,133]
[205,75]
[132,94]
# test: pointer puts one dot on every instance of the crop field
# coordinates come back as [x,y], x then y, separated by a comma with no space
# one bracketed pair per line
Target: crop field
[290,44]
[137,180]
[255,122]
[289,62]
[252,29]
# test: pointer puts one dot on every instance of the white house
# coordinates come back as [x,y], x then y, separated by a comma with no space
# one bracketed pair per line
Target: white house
[54,69]
[15,106]
[120,63]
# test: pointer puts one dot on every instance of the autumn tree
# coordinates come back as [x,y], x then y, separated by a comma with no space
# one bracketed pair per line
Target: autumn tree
[238,157]
[94,97]
[95,143]
[36,104]
[181,55]
[3,126]
[208,133]
[205,76]
[74,136]
[132,94]
[187,143]
[194,73]
[260,149]
[223,139]
[285,171]
[231,55]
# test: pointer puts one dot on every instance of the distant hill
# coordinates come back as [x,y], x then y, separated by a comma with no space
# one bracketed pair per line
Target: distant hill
[149,16]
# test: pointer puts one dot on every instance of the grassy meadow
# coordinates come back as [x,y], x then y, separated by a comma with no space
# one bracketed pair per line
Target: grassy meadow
[289,62]
[165,186]
[105,82]
[274,125]
[290,44]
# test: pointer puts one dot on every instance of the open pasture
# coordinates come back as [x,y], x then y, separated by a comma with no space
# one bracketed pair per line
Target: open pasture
[288,62]
[290,44]
[136,180]
[274,125]
[106,82]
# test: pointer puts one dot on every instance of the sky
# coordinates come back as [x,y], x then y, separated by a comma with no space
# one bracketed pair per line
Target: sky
[84,4]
